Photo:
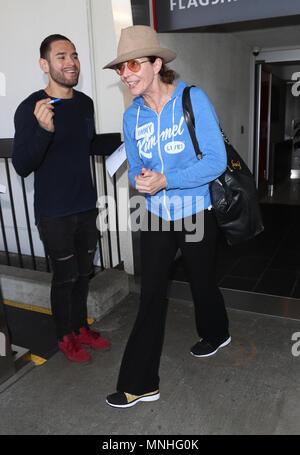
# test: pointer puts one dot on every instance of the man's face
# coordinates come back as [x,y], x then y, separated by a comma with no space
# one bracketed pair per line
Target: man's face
[63,64]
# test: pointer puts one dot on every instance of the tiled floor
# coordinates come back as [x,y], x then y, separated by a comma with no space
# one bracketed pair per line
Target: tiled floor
[251,387]
[269,264]
[285,192]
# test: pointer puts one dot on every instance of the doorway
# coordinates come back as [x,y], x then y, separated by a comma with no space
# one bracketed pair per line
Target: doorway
[277,142]
[269,264]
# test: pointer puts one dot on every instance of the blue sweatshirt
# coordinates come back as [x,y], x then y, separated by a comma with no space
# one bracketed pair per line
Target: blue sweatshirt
[60,160]
[162,142]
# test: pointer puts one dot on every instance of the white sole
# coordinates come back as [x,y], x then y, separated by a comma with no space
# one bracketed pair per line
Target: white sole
[212,353]
[148,398]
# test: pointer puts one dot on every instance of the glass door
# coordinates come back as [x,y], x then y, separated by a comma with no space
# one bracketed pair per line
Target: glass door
[263,125]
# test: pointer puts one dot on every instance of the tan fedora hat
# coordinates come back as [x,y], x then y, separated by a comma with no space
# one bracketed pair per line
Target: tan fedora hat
[140,41]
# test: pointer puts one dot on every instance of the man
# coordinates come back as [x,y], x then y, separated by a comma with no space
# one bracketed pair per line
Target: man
[53,140]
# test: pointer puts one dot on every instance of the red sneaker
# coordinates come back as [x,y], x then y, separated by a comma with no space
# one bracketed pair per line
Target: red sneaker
[92,339]
[73,349]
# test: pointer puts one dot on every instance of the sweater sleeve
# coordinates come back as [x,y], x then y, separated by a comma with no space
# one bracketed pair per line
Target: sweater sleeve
[31,141]
[134,160]
[214,160]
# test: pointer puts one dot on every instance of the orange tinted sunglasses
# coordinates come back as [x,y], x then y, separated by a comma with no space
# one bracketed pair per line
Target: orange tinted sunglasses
[133,65]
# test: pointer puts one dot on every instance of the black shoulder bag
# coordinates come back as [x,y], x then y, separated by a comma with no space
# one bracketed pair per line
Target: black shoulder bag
[233,194]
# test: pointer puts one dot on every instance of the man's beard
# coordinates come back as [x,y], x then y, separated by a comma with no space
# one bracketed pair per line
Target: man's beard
[59,78]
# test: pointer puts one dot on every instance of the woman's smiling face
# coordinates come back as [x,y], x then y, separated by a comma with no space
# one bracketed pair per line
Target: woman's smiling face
[140,83]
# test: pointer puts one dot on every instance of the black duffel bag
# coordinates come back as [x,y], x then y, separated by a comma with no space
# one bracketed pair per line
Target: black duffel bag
[233,194]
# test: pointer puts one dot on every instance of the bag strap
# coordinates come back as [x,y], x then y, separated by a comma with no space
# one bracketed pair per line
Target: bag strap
[190,119]
[225,138]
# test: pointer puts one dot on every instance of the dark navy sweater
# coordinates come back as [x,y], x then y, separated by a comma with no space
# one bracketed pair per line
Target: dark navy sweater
[60,160]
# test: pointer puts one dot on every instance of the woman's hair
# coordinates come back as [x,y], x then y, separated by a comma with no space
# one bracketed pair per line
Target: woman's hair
[167,76]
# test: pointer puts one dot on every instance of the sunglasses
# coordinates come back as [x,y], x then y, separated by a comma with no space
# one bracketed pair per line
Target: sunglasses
[133,65]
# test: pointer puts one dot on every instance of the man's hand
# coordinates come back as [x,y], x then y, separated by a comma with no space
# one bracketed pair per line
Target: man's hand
[150,181]
[44,114]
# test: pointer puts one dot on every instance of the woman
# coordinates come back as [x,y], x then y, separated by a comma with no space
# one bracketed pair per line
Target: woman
[163,165]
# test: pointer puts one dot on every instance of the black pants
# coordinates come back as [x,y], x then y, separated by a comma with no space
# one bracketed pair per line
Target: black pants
[140,364]
[70,242]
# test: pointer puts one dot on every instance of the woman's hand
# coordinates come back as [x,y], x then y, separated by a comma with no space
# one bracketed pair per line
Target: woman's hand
[150,182]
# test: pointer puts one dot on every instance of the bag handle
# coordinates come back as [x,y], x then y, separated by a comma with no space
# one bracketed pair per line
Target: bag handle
[190,119]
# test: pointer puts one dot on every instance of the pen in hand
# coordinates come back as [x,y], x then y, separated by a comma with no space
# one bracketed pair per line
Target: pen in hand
[44,112]
[54,101]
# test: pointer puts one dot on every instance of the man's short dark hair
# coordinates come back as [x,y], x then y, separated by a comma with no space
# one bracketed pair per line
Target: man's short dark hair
[46,44]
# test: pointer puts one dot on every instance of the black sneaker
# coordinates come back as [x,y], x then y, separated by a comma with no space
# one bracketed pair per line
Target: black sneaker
[205,348]
[126,400]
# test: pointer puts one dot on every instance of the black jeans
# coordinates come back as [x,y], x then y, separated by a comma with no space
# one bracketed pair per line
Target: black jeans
[70,242]
[140,363]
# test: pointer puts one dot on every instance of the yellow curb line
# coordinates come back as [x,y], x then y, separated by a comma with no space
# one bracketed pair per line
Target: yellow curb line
[25,306]
[38,309]
[35,358]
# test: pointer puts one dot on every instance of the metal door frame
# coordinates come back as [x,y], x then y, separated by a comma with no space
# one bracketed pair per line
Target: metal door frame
[258,83]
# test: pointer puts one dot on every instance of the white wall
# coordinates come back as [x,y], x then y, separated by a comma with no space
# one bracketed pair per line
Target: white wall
[220,65]
[23,26]
[90,24]
[107,17]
